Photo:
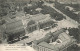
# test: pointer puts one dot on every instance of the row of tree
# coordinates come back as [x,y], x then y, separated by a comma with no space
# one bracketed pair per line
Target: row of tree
[4,8]
[69,13]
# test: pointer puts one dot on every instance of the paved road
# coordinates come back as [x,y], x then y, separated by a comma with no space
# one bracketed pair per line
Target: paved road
[36,35]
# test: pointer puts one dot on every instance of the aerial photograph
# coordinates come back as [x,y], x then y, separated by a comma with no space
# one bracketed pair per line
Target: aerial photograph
[44,25]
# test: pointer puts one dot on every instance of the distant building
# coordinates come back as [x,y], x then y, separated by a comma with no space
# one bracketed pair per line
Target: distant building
[57,41]
[69,1]
[19,4]
[29,0]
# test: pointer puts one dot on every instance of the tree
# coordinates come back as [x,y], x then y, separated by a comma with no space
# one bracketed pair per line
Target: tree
[53,15]
[26,9]
[59,17]
[47,10]
[74,32]
[40,3]
[31,22]
[4,8]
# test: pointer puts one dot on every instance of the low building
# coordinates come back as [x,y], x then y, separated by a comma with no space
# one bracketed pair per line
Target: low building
[57,41]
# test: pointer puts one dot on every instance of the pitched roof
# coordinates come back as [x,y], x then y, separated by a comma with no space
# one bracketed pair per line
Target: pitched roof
[48,36]
[66,40]
[65,43]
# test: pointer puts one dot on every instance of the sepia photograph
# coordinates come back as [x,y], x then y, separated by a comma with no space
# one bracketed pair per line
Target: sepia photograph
[40,25]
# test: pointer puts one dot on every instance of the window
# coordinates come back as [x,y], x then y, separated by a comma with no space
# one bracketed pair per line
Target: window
[32,28]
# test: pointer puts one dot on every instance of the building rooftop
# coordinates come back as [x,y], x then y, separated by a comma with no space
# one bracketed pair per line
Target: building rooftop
[49,35]
[62,41]
[40,17]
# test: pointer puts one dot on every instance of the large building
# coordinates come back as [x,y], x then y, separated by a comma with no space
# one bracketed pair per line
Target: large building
[20,26]
[41,22]
[57,41]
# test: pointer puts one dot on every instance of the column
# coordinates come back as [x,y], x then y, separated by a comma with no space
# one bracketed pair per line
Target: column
[38,25]
[79,26]
[79,35]
[39,48]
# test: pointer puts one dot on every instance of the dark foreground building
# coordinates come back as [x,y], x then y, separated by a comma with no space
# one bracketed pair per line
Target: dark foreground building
[57,41]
